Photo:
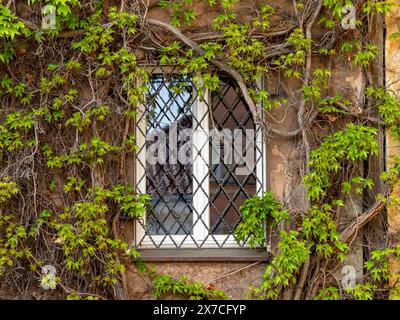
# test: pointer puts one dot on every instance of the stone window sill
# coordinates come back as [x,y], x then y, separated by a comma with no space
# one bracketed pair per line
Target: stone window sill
[204,255]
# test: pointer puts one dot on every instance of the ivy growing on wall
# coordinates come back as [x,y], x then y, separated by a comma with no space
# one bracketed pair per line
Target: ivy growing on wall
[68,99]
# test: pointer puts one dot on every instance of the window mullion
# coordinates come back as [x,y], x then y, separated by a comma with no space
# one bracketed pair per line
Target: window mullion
[200,154]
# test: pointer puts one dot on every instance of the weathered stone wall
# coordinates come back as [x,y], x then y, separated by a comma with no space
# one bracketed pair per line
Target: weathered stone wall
[233,278]
[392,147]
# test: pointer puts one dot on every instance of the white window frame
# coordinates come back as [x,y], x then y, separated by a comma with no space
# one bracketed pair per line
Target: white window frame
[201,204]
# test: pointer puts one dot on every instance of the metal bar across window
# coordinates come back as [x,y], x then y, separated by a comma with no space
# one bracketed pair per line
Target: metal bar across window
[199,159]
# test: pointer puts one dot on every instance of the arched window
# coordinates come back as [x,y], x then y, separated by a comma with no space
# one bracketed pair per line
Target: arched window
[199,158]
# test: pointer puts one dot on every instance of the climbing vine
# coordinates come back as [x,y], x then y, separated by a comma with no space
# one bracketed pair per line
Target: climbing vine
[69,96]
